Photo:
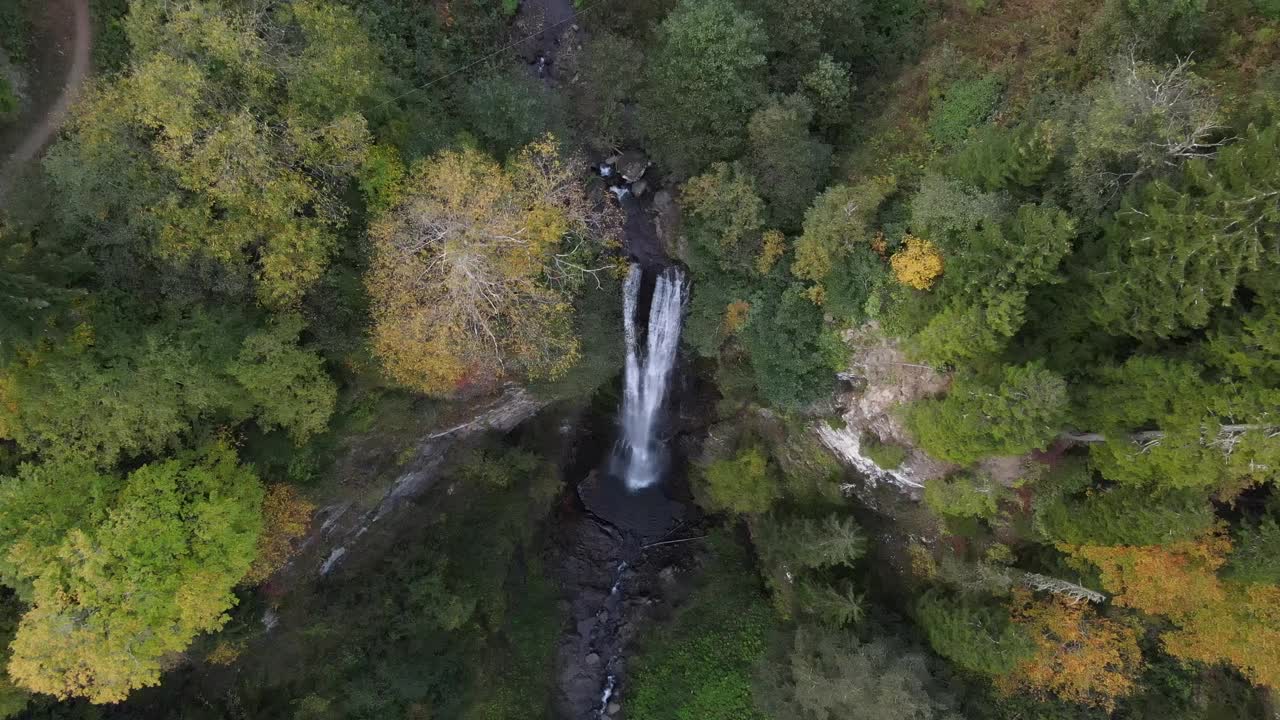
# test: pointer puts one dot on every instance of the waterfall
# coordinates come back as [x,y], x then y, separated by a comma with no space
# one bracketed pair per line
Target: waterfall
[648,374]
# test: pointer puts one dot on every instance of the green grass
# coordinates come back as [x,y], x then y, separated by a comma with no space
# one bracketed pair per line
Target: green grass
[700,665]
[8,101]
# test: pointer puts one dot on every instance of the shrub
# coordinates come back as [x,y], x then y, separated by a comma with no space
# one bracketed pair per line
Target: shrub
[963,496]
[965,104]
[744,484]
[699,665]
[887,456]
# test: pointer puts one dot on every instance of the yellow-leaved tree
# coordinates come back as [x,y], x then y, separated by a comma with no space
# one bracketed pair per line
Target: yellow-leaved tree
[918,264]
[473,270]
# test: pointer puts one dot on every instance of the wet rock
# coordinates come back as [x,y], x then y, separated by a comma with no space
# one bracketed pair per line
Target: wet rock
[633,165]
[593,659]
[667,224]
[640,187]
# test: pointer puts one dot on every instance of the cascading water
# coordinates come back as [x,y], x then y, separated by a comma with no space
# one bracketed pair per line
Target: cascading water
[641,458]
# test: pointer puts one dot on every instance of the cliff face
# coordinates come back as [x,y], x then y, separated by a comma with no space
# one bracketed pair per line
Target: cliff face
[879,381]
[391,480]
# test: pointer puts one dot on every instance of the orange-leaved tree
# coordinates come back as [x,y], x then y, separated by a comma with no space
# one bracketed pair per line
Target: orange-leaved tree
[472,270]
[285,517]
[1080,656]
[1217,620]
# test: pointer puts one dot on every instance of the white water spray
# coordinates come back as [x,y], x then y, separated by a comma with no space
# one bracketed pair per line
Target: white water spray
[648,375]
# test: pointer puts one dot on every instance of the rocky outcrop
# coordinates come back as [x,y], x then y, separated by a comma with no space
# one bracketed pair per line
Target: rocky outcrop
[339,526]
[881,379]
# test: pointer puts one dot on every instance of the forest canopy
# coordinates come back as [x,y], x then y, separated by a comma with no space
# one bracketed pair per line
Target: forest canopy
[980,368]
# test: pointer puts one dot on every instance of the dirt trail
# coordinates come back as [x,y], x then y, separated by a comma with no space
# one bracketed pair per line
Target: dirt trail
[63,40]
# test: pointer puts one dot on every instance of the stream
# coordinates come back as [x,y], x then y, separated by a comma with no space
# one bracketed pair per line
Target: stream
[628,495]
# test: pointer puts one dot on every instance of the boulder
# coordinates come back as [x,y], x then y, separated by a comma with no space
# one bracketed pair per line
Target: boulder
[633,165]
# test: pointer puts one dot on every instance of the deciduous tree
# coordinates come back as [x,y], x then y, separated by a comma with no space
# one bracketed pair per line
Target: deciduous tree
[1216,620]
[226,142]
[1079,656]
[118,597]
[473,270]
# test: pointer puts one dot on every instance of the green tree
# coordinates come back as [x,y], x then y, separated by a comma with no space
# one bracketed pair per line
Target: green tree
[1175,251]
[782,335]
[945,210]
[705,78]
[121,390]
[830,88]
[36,289]
[220,150]
[118,388]
[155,572]
[602,94]
[1141,122]
[963,496]
[1155,27]
[13,699]
[789,163]
[1126,515]
[800,543]
[39,507]
[977,638]
[834,676]
[743,484]
[802,31]
[509,110]
[1010,159]
[991,270]
[1190,447]
[1255,555]
[287,383]
[834,254]
[1022,411]
[829,605]
[725,222]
